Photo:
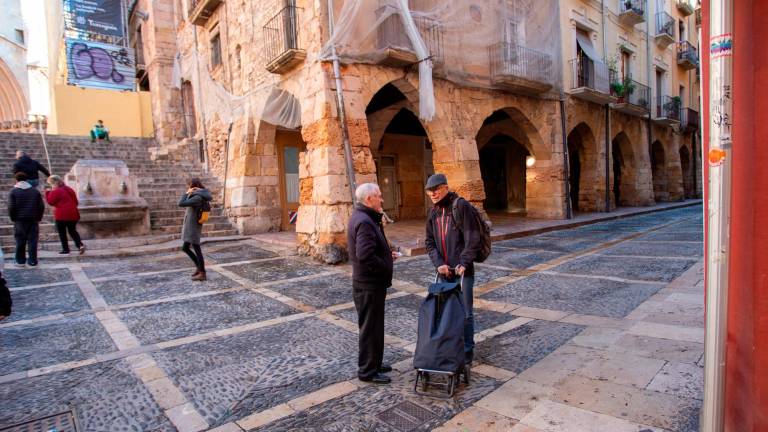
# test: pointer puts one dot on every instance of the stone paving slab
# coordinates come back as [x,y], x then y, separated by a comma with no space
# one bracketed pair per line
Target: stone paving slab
[369,409]
[667,236]
[134,288]
[518,349]
[270,271]
[635,268]
[106,397]
[421,272]
[319,292]
[36,345]
[544,242]
[229,378]
[687,250]
[521,259]
[18,277]
[242,252]
[574,294]
[131,266]
[45,301]
[199,315]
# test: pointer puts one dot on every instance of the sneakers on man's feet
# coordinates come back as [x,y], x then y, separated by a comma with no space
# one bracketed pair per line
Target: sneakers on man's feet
[64,252]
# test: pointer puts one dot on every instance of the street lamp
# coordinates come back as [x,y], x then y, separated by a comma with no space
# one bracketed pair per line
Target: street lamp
[530,161]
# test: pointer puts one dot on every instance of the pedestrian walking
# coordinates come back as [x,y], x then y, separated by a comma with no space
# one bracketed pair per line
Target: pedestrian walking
[25,208]
[195,199]
[65,214]
[372,262]
[6,303]
[24,163]
[452,246]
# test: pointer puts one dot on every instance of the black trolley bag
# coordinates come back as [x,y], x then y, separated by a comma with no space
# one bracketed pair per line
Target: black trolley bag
[440,339]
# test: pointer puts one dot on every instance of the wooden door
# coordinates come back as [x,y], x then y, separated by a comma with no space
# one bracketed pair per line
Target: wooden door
[289,145]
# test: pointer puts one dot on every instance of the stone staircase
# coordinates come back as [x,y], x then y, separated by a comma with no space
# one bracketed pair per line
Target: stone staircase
[161,181]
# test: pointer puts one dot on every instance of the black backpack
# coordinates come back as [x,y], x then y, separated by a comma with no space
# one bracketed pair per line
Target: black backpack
[485,228]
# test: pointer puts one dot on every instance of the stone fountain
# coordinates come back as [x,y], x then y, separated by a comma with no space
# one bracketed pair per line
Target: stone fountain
[110,205]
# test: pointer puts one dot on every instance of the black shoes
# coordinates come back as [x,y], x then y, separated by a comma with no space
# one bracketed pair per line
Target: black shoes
[379,378]
[64,252]
[385,368]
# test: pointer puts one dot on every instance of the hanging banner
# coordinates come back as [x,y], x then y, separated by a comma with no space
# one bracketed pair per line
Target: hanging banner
[100,65]
[96,16]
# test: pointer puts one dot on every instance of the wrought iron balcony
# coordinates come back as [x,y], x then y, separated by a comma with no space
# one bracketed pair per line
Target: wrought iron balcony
[689,121]
[685,6]
[668,110]
[698,16]
[518,68]
[632,12]
[282,49]
[395,46]
[591,80]
[201,10]
[633,97]
[687,56]
[665,29]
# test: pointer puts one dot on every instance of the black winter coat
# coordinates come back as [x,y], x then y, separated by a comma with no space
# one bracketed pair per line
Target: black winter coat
[460,246]
[369,251]
[25,203]
[30,167]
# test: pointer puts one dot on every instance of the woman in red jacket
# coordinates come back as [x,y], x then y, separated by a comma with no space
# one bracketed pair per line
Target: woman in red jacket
[64,200]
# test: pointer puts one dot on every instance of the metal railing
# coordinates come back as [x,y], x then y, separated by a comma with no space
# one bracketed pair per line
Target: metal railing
[391,33]
[665,24]
[690,119]
[281,33]
[698,16]
[636,6]
[632,92]
[517,60]
[668,107]
[586,72]
[687,52]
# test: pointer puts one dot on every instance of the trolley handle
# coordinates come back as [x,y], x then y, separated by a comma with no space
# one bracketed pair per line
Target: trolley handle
[452,269]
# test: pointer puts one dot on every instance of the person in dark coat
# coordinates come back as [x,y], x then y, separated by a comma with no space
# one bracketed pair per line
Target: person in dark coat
[30,167]
[372,263]
[65,214]
[25,208]
[192,230]
[452,249]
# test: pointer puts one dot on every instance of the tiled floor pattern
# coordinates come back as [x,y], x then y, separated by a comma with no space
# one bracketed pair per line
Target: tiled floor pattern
[576,328]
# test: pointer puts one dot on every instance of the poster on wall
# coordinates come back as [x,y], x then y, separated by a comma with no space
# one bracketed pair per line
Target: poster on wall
[96,16]
[100,65]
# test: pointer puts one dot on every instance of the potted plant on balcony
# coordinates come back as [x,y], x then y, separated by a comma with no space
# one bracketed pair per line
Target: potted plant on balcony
[672,107]
[623,89]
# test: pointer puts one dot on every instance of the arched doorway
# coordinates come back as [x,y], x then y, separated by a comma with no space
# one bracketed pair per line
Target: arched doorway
[687,172]
[582,158]
[624,171]
[502,166]
[402,152]
[659,172]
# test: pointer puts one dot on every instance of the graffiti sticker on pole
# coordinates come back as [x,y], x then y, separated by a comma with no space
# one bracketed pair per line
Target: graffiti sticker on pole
[100,65]
[721,46]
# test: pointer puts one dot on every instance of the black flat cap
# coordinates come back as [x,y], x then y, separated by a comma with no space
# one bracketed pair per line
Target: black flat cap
[436,180]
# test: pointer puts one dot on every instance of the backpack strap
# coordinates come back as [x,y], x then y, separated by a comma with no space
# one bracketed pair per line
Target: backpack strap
[457,219]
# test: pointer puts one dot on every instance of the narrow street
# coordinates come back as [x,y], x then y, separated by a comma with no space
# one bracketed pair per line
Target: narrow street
[595,328]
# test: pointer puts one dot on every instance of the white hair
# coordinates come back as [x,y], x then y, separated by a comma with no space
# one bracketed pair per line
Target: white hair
[364,191]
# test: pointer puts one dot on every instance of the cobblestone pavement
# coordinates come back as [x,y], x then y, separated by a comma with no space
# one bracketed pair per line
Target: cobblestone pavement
[596,328]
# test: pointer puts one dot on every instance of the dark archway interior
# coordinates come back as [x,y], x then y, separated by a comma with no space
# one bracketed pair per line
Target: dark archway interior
[687,172]
[575,157]
[502,166]
[405,123]
[658,171]
[386,96]
[618,161]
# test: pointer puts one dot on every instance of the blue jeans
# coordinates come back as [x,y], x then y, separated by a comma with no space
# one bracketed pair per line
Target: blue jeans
[469,326]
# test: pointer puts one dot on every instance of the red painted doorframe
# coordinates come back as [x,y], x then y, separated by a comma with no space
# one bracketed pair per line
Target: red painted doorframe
[746,380]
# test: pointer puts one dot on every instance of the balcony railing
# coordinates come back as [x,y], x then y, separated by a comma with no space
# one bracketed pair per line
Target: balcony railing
[690,120]
[282,48]
[393,39]
[687,56]
[520,68]
[590,74]
[631,12]
[665,29]
[668,107]
[632,92]
[698,16]
[685,6]
[201,10]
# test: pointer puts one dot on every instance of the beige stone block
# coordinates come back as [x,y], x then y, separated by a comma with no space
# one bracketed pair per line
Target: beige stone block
[330,189]
[516,398]
[186,418]
[559,364]
[325,394]
[598,337]
[663,349]
[680,379]
[555,417]
[623,369]
[262,418]
[165,393]
[243,197]
[477,419]
[493,372]
[664,331]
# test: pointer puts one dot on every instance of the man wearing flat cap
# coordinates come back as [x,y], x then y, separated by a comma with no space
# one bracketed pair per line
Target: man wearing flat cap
[453,241]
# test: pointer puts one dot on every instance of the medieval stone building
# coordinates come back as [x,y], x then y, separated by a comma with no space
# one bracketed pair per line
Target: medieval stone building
[541,108]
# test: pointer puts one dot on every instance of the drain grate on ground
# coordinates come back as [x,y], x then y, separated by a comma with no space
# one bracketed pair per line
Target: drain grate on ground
[62,422]
[406,416]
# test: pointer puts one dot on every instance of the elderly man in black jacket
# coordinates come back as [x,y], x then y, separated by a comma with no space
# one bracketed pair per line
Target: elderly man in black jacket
[451,248]
[30,167]
[372,260]
[25,208]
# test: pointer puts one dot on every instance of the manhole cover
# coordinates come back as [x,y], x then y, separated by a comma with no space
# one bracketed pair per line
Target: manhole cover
[406,416]
[63,422]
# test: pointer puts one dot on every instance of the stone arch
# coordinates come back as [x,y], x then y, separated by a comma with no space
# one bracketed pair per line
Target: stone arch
[583,167]
[686,168]
[13,104]
[624,172]
[659,172]
[525,131]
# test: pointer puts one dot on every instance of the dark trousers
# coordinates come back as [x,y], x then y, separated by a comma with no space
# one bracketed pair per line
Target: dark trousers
[370,320]
[196,257]
[26,234]
[62,227]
